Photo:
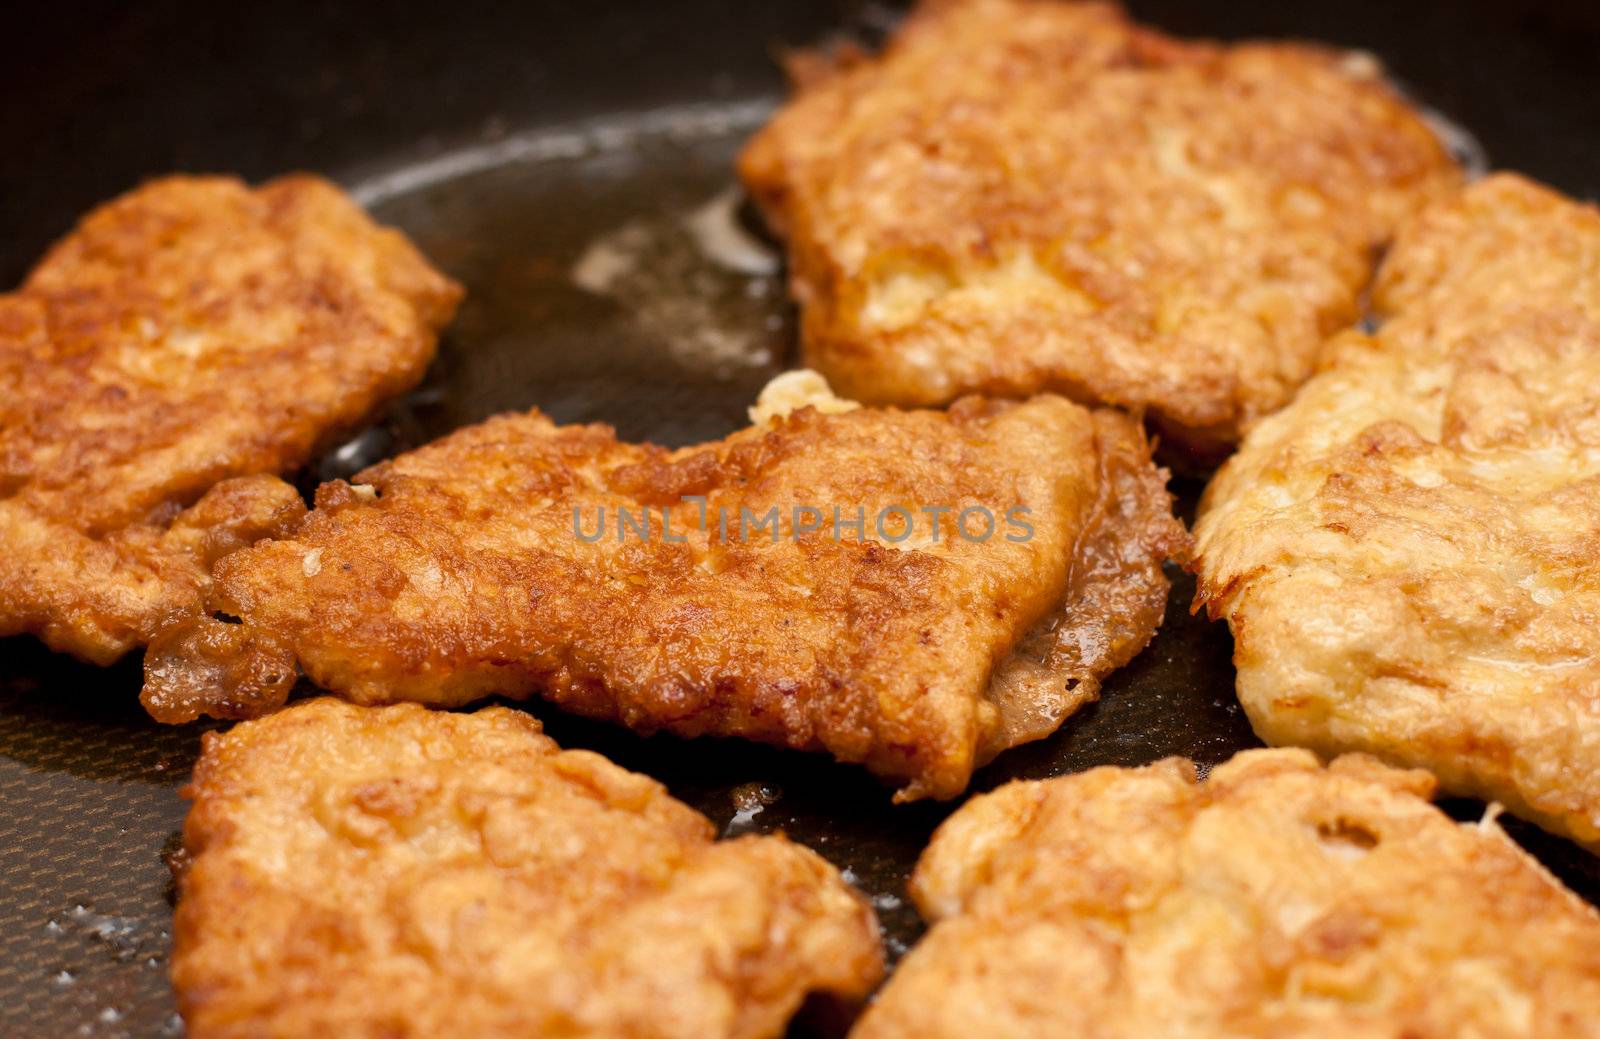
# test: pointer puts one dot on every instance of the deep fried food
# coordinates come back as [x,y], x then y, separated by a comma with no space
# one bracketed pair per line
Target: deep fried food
[1275,899]
[497,561]
[185,339]
[1024,196]
[401,872]
[1409,555]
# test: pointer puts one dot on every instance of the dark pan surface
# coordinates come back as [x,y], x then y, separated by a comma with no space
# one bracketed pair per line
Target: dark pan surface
[533,152]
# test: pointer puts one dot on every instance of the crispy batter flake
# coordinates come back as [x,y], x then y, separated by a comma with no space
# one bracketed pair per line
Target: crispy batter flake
[186,340]
[1409,554]
[1276,898]
[479,569]
[1021,196]
[399,872]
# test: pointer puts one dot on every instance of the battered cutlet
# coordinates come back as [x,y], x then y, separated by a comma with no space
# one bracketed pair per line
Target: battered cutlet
[1025,196]
[511,558]
[397,872]
[183,341]
[1409,554]
[1275,899]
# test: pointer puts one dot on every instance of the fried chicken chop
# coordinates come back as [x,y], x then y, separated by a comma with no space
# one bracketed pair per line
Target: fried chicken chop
[1409,555]
[1022,196]
[397,872]
[183,340]
[497,561]
[1276,899]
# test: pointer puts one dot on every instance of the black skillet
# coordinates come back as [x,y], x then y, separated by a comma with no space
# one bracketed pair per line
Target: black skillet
[509,141]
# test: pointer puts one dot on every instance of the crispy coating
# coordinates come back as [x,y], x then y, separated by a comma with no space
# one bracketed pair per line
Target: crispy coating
[1276,899]
[1409,555]
[397,872]
[458,571]
[1023,196]
[184,340]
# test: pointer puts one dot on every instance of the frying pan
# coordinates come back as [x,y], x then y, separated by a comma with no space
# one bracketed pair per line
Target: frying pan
[570,163]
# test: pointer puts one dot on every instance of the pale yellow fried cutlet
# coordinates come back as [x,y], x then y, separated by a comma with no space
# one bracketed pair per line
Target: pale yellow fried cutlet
[183,341]
[1275,899]
[1025,195]
[1409,554]
[397,872]
[457,571]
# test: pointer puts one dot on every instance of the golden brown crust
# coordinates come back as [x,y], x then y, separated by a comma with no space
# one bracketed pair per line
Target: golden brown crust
[397,872]
[1408,553]
[188,333]
[1275,899]
[1115,598]
[458,574]
[1023,196]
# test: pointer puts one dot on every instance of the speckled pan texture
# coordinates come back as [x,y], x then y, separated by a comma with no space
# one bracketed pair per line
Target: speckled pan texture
[572,166]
